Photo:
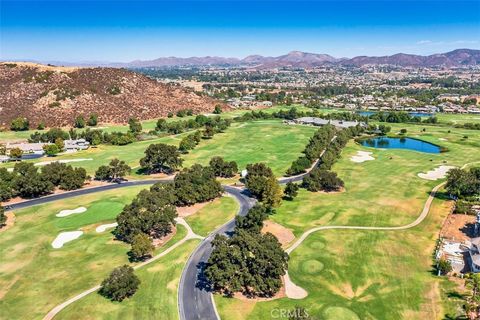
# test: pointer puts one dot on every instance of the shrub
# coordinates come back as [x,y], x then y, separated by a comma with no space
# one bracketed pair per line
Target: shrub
[19,124]
[120,284]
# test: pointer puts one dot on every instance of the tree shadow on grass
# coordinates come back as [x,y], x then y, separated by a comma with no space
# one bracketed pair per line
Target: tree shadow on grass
[441,195]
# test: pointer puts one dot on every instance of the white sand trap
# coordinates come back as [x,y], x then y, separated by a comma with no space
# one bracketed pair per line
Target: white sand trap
[65,237]
[104,227]
[65,213]
[293,291]
[362,156]
[44,163]
[442,139]
[435,174]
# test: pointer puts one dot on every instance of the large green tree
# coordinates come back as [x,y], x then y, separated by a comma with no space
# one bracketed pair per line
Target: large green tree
[28,182]
[115,171]
[120,284]
[196,184]
[142,247]
[263,185]
[461,183]
[319,179]
[249,262]
[222,168]
[152,212]
[161,158]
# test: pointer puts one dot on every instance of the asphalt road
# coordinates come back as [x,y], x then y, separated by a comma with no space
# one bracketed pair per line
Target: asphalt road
[194,297]
[80,192]
[195,301]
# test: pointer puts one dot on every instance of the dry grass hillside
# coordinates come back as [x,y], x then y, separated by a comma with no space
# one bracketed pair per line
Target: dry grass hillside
[56,95]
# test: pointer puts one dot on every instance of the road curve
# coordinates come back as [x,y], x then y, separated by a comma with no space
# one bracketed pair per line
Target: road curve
[194,299]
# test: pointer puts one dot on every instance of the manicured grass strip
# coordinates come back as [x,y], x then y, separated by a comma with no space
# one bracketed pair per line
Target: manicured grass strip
[213,215]
[156,297]
[34,277]
[268,141]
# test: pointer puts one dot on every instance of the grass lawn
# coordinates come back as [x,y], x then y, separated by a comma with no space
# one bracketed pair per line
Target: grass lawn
[370,274]
[102,155]
[34,277]
[213,215]
[147,125]
[268,141]
[359,275]
[156,297]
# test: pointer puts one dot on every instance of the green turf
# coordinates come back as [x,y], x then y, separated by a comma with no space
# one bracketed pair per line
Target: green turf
[102,155]
[370,274]
[213,215]
[34,277]
[268,141]
[156,297]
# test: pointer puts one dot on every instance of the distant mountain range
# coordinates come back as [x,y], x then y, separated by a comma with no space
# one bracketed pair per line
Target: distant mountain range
[299,59]
[456,58]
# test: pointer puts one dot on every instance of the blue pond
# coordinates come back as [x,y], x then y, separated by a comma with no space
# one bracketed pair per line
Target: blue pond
[401,143]
[413,114]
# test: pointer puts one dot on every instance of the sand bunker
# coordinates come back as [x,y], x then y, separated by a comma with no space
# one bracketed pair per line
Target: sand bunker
[292,290]
[435,174]
[65,237]
[65,213]
[442,139]
[104,227]
[362,156]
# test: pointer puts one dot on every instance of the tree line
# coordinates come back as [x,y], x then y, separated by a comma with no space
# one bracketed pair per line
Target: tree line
[27,181]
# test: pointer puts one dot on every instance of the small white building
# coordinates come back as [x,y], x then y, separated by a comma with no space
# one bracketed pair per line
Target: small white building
[75,145]
[4,159]
[27,148]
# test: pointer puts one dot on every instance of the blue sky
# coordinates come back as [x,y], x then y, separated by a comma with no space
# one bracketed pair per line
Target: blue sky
[79,31]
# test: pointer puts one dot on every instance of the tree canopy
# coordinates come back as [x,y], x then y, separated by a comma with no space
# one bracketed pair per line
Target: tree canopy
[263,185]
[161,158]
[120,284]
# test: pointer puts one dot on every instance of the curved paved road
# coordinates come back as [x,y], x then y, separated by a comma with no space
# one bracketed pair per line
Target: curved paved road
[81,192]
[195,301]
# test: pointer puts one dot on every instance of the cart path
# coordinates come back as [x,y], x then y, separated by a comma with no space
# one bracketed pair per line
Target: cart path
[189,236]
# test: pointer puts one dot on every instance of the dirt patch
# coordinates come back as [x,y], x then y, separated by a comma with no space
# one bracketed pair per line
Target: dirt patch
[284,235]
[160,242]
[280,294]
[458,227]
[10,221]
[188,211]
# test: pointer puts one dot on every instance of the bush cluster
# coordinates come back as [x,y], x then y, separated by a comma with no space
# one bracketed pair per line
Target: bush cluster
[28,182]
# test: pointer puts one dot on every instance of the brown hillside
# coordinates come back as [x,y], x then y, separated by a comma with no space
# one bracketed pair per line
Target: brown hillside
[56,95]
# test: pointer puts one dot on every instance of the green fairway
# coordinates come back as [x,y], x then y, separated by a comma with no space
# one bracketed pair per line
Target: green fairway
[156,297]
[359,275]
[102,155]
[268,141]
[34,277]
[369,274]
[213,215]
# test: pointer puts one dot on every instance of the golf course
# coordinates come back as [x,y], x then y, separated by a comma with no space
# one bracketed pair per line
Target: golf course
[348,274]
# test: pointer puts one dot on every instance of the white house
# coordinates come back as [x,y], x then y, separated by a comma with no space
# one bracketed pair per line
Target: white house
[75,145]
